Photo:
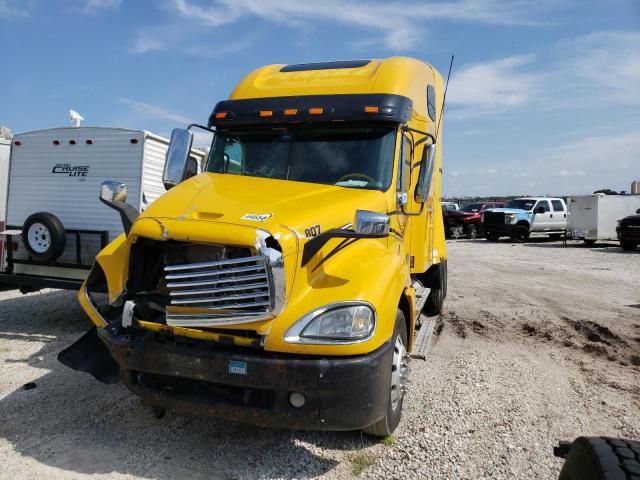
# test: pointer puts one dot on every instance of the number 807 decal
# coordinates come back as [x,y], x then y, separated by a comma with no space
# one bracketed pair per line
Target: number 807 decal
[312,231]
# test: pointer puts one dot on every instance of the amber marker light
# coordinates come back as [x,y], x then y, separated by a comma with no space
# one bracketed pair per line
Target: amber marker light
[221,115]
[371,109]
[316,111]
[266,113]
[290,111]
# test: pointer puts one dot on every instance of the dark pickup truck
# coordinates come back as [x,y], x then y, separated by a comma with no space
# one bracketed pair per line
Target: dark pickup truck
[467,220]
[629,232]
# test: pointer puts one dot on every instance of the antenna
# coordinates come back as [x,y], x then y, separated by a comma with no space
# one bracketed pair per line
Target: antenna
[75,118]
[444,98]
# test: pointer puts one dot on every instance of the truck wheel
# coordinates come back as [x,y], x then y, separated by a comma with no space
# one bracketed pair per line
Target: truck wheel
[43,236]
[599,458]
[627,245]
[472,231]
[520,234]
[435,300]
[399,372]
[492,237]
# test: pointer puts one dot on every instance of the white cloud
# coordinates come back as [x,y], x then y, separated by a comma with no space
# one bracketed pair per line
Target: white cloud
[389,22]
[492,87]
[155,111]
[93,7]
[14,8]
[145,43]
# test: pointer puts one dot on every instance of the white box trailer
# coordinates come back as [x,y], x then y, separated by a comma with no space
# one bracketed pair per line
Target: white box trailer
[5,147]
[594,218]
[56,223]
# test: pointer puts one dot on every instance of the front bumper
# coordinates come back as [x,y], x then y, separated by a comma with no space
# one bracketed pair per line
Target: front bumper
[502,230]
[345,393]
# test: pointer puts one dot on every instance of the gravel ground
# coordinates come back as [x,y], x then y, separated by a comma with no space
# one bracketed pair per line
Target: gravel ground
[537,343]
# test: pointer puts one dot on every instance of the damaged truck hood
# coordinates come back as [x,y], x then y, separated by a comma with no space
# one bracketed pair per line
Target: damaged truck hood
[239,205]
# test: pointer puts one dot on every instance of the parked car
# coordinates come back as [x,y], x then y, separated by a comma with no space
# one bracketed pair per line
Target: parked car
[446,208]
[467,220]
[629,231]
[524,216]
[594,217]
[449,206]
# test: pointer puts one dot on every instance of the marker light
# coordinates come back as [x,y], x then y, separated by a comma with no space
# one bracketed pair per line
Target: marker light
[316,111]
[89,142]
[72,142]
[17,143]
[134,140]
[56,142]
[266,113]
[221,115]
[290,111]
[371,109]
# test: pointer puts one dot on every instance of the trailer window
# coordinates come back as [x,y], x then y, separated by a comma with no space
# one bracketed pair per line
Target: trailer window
[358,157]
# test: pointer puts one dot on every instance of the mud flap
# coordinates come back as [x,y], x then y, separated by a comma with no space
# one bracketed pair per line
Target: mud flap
[90,354]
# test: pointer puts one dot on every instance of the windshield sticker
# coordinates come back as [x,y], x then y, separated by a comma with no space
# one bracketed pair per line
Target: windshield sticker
[256,217]
[312,231]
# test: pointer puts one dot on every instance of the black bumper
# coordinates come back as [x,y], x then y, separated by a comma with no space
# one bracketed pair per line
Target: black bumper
[346,393]
[494,229]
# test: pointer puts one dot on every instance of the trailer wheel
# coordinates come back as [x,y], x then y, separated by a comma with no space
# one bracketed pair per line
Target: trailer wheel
[399,371]
[600,458]
[43,236]
[627,245]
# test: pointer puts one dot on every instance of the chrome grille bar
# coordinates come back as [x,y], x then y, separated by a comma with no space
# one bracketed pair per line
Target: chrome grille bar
[234,291]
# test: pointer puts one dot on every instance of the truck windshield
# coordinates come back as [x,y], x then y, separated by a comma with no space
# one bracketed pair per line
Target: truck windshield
[356,157]
[521,204]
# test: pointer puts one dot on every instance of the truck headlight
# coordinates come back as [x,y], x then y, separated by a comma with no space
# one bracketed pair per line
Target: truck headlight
[509,217]
[345,322]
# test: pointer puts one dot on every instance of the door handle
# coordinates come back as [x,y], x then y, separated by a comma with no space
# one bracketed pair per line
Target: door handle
[551,215]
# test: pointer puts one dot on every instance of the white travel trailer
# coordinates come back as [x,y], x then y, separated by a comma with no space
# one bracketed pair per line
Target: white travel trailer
[594,218]
[56,223]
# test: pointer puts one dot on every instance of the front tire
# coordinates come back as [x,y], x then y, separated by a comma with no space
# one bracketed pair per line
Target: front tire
[520,234]
[472,231]
[399,371]
[435,300]
[627,245]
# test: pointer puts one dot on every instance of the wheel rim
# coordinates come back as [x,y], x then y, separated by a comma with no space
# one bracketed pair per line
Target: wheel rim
[39,237]
[399,372]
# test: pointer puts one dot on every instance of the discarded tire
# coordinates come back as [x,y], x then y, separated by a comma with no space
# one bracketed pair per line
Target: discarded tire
[602,458]
[43,236]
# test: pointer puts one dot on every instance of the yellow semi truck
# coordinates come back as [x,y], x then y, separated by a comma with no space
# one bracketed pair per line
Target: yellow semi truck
[279,287]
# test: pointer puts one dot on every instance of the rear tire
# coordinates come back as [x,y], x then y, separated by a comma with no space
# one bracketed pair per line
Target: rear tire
[435,300]
[520,234]
[43,236]
[627,245]
[386,426]
[599,458]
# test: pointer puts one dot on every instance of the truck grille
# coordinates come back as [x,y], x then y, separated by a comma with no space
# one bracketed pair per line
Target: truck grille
[494,218]
[225,291]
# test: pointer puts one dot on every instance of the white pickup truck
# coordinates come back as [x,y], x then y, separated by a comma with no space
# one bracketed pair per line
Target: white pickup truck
[524,216]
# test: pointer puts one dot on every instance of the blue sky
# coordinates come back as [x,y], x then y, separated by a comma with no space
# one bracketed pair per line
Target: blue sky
[544,98]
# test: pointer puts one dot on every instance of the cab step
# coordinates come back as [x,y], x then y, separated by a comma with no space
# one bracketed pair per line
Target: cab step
[424,339]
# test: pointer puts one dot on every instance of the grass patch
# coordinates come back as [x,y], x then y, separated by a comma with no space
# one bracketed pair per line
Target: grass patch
[388,440]
[361,461]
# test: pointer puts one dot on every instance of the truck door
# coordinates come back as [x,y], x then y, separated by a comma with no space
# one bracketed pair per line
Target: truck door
[559,213]
[542,222]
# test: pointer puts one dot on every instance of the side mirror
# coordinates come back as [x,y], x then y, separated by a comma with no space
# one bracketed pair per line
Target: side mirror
[114,195]
[538,210]
[112,191]
[372,224]
[426,173]
[175,165]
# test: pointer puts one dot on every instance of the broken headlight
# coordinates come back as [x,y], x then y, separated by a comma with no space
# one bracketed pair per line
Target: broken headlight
[347,322]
